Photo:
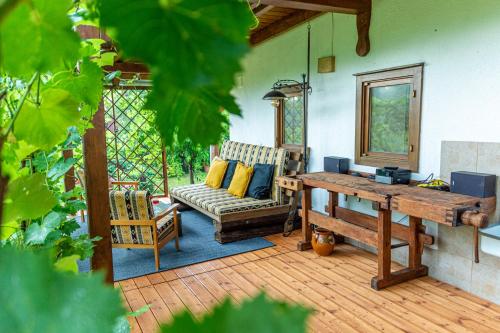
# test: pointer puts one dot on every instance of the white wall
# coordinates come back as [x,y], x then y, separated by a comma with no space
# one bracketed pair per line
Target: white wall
[458,42]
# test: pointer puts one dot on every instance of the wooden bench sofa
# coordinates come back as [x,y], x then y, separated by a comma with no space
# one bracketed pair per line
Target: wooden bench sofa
[235,218]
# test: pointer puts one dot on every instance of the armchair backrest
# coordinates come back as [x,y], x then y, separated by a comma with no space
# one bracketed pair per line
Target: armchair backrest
[131,205]
[251,154]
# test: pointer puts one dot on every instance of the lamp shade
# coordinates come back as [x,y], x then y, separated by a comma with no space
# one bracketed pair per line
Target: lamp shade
[274,95]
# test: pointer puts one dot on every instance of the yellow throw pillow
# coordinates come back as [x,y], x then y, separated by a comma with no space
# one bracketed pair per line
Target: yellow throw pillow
[240,181]
[216,173]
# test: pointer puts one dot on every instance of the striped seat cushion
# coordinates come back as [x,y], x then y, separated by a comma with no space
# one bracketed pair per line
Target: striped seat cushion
[218,201]
[251,154]
[136,205]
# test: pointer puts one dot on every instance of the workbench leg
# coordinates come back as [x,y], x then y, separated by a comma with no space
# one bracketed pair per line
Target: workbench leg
[333,202]
[383,248]
[305,243]
[414,246]
[385,278]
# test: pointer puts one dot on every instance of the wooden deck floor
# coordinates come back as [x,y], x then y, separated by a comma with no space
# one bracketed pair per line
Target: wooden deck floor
[337,287]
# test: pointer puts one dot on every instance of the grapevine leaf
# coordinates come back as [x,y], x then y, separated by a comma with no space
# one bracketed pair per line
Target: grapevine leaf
[37,36]
[28,197]
[47,125]
[193,64]
[256,315]
[60,168]
[68,264]
[53,301]
[36,234]
[122,325]
[85,86]
[197,115]
[203,40]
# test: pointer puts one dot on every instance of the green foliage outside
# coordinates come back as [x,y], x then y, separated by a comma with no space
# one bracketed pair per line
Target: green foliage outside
[389,119]
[50,85]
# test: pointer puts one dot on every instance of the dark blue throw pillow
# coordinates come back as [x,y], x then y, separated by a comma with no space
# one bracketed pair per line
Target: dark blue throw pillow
[231,167]
[261,183]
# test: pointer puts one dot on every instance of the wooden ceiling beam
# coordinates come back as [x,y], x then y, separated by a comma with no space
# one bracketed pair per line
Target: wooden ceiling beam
[281,26]
[338,6]
[362,9]
[260,10]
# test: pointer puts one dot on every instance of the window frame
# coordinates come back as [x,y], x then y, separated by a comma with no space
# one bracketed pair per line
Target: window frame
[412,74]
[280,129]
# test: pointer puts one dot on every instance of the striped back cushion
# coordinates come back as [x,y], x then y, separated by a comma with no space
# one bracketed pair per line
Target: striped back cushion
[251,154]
[131,205]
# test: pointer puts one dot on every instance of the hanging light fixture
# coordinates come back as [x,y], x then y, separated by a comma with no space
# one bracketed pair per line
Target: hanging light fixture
[274,95]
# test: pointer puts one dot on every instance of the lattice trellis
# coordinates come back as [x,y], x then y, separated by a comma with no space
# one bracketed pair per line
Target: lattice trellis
[134,147]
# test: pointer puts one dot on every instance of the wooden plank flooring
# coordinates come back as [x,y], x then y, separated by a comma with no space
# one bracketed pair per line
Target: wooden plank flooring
[337,287]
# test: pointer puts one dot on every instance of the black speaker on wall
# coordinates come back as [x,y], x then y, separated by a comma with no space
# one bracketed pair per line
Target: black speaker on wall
[336,164]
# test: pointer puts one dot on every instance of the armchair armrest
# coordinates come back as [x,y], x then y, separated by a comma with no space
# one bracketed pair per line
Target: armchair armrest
[162,214]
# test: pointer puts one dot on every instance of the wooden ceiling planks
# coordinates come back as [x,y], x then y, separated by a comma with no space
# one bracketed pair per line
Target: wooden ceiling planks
[278,16]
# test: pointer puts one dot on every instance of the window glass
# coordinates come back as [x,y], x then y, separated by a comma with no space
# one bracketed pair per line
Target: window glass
[293,120]
[389,117]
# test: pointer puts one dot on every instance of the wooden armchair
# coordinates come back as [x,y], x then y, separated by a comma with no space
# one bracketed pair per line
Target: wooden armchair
[134,224]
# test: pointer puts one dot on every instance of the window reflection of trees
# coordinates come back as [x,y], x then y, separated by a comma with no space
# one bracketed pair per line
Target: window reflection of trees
[389,117]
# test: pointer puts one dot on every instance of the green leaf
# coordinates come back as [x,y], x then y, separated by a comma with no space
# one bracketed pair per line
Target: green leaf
[53,301]
[67,264]
[105,59]
[193,50]
[255,315]
[61,167]
[36,234]
[85,86]
[122,325]
[47,125]
[197,115]
[28,197]
[37,36]
[197,42]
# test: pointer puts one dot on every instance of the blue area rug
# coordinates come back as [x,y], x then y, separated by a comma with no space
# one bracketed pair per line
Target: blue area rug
[196,245]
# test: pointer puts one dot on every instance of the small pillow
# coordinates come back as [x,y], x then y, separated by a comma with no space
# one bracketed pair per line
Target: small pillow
[261,183]
[240,181]
[229,173]
[216,173]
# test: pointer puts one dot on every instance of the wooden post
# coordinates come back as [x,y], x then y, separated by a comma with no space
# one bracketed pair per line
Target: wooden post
[97,192]
[214,151]
[305,243]
[414,251]
[69,176]
[164,170]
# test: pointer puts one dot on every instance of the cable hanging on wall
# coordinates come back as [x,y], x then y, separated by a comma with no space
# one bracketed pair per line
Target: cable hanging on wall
[327,64]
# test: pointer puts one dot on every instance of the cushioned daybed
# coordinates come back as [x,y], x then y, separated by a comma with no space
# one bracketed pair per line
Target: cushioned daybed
[236,218]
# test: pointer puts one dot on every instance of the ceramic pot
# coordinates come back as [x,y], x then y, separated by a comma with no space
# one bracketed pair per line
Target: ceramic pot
[323,241]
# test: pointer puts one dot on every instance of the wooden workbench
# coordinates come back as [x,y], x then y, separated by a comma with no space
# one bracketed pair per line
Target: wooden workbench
[418,203]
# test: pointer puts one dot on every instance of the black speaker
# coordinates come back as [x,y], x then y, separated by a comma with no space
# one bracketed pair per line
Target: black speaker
[472,183]
[336,164]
